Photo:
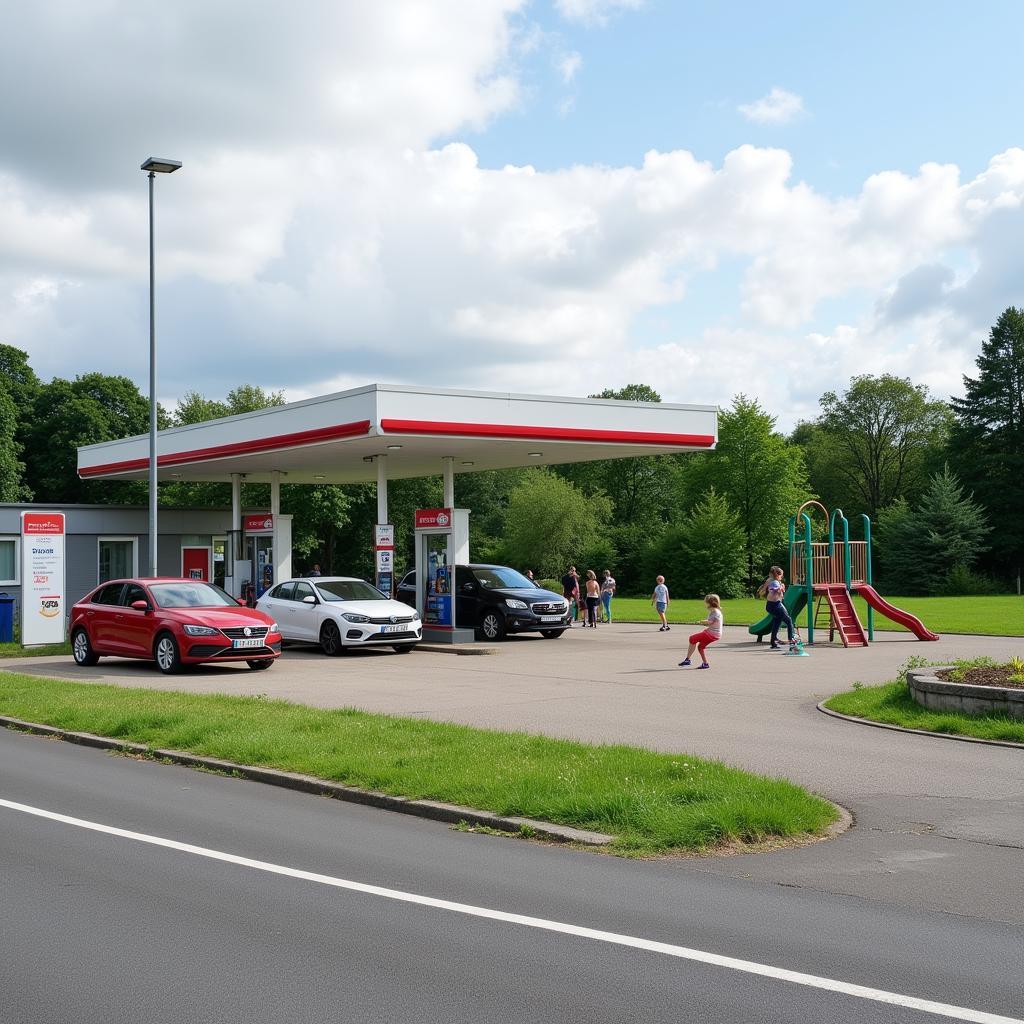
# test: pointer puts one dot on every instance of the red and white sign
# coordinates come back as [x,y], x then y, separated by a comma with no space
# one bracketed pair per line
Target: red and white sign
[261,523]
[433,518]
[43,601]
[42,523]
[384,535]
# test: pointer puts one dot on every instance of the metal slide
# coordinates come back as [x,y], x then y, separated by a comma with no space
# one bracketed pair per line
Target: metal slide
[879,603]
[794,599]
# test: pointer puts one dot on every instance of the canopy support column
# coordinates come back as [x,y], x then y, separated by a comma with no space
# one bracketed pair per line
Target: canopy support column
[449,481]
[382,488]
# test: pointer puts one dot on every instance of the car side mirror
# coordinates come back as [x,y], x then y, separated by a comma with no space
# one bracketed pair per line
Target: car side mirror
[309,599]
[140,606]
[241,601]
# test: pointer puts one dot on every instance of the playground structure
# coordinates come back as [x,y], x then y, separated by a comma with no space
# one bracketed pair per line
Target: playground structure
[825,575]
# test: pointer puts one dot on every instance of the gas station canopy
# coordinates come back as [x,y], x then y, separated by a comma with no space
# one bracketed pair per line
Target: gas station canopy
[338,438]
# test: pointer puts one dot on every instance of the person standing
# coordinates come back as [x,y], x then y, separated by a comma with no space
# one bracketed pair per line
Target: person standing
[607,593]
[315,571]
[571,591]
[773,590]
[593,598]
[660,601]
[711,632]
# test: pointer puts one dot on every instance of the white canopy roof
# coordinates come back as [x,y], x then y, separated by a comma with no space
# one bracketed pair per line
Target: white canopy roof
[336,438]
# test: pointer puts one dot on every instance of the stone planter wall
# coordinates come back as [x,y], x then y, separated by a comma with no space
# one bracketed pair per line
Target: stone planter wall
[931,692]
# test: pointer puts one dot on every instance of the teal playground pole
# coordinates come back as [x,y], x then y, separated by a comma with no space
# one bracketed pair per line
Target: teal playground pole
[867,573]
[809,575]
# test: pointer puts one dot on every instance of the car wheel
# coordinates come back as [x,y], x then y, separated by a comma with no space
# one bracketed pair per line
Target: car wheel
[167,654]
[492,625]
[402,648]
[330,639]
[82,650]
[259,666]
[551,634]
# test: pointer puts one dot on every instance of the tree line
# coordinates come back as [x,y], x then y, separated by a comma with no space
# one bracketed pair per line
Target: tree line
[943,482]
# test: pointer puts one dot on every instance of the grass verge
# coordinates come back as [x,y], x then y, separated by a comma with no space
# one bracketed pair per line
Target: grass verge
[652,803]
[1001,615]
[15,650]
[892,704]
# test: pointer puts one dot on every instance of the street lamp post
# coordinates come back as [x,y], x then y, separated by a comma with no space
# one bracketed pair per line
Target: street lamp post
[154,167]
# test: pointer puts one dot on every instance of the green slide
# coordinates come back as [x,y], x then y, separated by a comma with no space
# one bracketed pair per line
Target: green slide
[795,599]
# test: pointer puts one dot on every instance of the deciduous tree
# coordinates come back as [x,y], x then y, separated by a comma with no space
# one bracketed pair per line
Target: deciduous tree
[879,439]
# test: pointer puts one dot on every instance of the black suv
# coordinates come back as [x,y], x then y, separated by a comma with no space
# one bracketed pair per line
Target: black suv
[496,600]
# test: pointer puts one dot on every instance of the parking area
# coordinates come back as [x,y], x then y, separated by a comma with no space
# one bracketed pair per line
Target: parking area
[937,818]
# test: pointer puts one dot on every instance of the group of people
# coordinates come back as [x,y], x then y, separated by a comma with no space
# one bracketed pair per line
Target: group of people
[773,590]
[589,597]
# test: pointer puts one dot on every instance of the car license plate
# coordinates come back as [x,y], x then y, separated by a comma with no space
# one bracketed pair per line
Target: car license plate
[551,618]
[240,644]
[393,629]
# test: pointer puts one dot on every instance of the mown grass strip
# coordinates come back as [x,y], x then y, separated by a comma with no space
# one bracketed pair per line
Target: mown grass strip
[982,616]
[652,803]
[892,704]
[15,650]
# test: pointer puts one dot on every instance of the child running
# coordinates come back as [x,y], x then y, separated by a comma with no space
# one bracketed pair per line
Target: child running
[711,632]
[660,601]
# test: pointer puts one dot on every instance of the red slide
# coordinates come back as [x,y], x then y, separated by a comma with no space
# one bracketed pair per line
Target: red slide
[879,603]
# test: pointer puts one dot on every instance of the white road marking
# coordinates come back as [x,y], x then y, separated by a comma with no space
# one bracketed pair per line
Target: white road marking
[682,952]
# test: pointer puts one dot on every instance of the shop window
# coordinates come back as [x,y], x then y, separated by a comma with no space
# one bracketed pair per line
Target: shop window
[8,561]
[117,558]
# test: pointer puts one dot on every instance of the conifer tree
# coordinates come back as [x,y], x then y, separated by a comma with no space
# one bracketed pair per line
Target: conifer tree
[987,442]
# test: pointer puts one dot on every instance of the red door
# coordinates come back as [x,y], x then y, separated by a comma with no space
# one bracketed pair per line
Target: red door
[195,563]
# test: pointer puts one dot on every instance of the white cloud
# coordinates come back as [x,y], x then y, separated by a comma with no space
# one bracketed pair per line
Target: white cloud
[778,107]
[568,64]
[595,12]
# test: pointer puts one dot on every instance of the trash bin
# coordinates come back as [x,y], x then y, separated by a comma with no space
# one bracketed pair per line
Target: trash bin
[6,619]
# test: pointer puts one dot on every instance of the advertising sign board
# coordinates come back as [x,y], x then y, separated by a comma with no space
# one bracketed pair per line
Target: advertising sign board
[43,601]
[262,522]
[384,556]
[433,518]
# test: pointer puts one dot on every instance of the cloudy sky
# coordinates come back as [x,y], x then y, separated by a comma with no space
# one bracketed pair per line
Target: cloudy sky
[552,197]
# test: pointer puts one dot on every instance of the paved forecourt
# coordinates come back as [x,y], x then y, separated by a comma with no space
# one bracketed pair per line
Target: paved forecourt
[940,822]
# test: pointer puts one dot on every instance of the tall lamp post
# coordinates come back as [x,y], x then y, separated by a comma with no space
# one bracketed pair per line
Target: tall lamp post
[154,167]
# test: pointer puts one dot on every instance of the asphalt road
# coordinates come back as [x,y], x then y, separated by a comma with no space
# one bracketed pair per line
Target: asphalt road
[939,823]
[102,927]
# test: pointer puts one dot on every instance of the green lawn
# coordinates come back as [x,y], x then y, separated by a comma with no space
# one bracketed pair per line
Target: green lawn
[892,703]
[15,650]
[652,803]
[986,616]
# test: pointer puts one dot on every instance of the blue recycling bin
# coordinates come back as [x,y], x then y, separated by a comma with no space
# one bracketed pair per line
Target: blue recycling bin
[6,619]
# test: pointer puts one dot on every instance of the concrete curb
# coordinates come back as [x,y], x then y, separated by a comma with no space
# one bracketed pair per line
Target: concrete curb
[470,649]
[918,732]
[450,813]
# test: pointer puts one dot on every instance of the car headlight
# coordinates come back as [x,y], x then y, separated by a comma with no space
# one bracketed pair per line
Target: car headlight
[274,628]
[514,602]
[355,617]
[201,631]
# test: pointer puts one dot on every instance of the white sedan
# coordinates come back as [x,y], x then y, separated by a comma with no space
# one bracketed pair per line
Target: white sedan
[341,613]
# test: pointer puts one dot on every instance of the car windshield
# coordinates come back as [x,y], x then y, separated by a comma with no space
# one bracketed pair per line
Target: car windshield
[496,576]
[348,590]
[190,595]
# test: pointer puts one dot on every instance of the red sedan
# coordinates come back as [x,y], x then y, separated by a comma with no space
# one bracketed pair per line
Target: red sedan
[173,622]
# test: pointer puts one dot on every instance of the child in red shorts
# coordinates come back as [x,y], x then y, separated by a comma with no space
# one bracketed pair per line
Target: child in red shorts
[711,632]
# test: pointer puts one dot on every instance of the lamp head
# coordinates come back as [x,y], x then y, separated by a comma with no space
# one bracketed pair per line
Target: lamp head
[160,166]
